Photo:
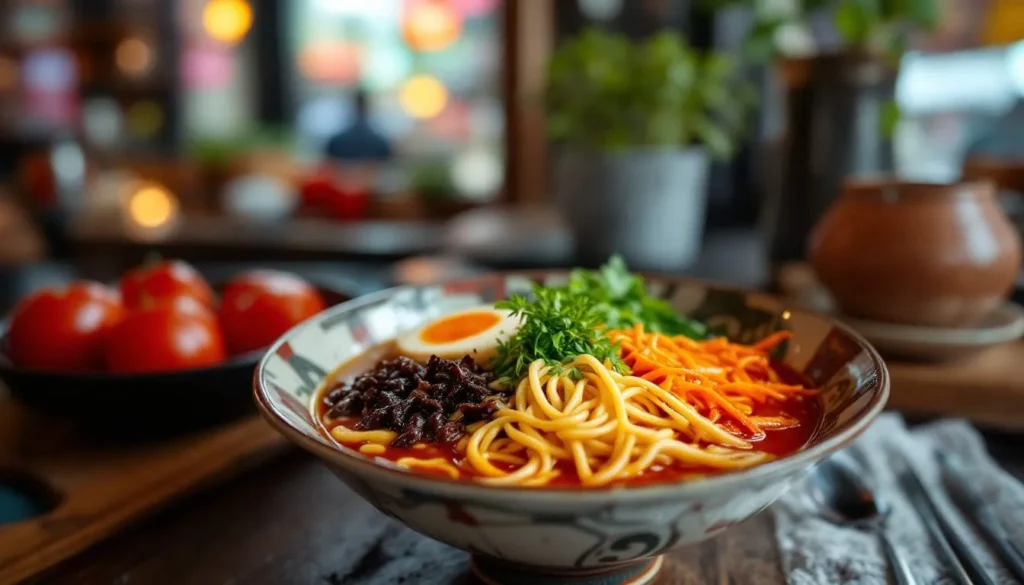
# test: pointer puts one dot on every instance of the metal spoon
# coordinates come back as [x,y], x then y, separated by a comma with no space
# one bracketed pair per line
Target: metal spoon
[844,498]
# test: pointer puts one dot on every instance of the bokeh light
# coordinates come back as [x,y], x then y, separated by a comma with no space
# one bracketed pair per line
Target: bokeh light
[207,67]
[387,65]
[152,206]
[430,25]
[102,121]
[601,10]
[134,57]
[227,21]
[331,61]
[475,8]
[423,96]
[478,173]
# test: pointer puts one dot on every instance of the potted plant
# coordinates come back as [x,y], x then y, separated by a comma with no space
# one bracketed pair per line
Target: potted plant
[840,108]
[635,126]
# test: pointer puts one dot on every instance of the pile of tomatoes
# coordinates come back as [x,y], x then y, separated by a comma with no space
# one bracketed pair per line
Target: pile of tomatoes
[165,317]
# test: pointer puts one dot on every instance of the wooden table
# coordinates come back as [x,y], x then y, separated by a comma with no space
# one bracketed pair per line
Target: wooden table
[103,245]
[293,523]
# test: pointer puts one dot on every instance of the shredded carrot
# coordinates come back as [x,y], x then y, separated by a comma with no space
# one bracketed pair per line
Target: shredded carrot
[769,343]
[720,379]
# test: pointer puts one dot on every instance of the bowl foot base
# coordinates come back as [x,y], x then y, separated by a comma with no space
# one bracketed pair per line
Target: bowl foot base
[494,572]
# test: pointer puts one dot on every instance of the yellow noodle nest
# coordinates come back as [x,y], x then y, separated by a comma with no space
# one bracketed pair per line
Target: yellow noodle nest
[609,426]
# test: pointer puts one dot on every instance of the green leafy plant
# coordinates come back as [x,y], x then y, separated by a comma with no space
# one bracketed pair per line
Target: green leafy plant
[556,327]
[623,301]
[608,93]
[220,151]
[877,27]
[432,181]
[560,323]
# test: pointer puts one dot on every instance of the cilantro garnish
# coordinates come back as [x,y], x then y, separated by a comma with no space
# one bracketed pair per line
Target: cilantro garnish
[622,300]
[556,327]
[560,323]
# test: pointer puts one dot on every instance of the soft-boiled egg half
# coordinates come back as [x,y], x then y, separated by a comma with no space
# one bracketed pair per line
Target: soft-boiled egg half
[474,332]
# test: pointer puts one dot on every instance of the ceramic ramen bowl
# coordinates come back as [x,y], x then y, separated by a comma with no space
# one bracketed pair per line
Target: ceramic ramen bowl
[608,535]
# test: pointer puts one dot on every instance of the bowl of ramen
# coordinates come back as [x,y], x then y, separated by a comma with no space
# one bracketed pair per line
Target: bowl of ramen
[570,423]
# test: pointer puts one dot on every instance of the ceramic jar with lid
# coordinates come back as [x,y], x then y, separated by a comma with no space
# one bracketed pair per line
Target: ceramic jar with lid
[916,253]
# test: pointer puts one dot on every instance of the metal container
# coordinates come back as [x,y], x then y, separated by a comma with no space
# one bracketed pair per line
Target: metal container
[645,204]
[834,107]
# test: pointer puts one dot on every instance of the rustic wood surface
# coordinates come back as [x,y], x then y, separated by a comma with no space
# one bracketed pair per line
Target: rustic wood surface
[292,522]
[986,389]
[103,489]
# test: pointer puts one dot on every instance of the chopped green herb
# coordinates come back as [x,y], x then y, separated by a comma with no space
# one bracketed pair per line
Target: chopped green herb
[556,327]
[621,301]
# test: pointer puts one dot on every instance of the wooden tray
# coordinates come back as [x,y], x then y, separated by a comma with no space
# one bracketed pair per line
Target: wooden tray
[102,489]
[986,388]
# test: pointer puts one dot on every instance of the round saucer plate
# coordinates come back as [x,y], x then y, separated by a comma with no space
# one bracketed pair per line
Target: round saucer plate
[942,344]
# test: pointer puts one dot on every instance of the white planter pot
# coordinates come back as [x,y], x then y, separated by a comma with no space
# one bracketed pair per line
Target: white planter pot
[645,204]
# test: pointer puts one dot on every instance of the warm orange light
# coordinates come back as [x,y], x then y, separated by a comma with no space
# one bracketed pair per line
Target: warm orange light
[430,25]
[227,21]
[152,206]
[133,56]
[423,96]
[330,61]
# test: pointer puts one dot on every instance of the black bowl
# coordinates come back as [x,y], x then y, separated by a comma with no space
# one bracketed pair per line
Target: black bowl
[141,405]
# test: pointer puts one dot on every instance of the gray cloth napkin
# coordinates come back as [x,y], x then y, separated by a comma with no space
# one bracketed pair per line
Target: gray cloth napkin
[815,552]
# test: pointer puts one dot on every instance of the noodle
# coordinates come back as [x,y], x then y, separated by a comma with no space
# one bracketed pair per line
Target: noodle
[345,435]
[609,427]
[686,404]
[437,465]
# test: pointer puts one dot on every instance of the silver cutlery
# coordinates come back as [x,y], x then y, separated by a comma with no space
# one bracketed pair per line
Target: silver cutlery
[845,499]
[960,488]
[966,566]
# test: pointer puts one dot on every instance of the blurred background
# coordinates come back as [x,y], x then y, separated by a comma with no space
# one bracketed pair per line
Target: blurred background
[376,132]
[863,158]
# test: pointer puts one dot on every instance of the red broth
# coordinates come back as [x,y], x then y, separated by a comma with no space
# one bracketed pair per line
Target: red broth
[780,443]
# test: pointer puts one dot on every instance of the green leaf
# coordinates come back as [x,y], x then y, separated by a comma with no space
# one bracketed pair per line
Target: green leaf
[925,13]
[607,92]
[852,19]
[716,140]
[759,46]
[890,118]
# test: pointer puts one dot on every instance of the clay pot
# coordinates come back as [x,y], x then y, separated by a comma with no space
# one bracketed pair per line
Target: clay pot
[916,253]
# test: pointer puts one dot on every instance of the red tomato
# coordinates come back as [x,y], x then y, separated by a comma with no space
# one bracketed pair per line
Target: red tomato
[317,191]
[64,330]
[259,306]
[177,335]
[349,204]
[159,282]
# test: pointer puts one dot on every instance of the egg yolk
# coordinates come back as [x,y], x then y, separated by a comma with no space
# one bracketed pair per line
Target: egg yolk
[458,327]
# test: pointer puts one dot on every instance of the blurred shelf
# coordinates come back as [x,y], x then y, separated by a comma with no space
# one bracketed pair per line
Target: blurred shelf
[223,238]
[80,36]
